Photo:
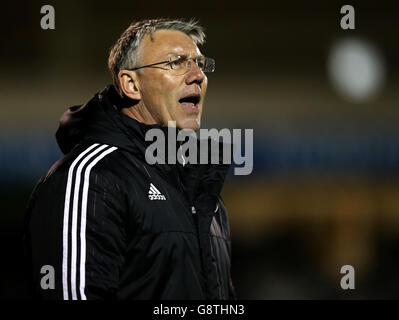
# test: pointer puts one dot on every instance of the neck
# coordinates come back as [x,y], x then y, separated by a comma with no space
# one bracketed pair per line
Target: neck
[139,113]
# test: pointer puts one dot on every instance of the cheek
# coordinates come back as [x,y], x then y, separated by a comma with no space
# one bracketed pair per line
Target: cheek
[170,91]
[153,89]
[204,85]
[171,83]
[157,91]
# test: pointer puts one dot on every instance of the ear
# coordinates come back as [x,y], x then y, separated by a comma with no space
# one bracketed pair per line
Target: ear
[129,84]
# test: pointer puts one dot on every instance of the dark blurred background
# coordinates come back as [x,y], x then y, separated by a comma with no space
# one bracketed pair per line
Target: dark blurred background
[323,103]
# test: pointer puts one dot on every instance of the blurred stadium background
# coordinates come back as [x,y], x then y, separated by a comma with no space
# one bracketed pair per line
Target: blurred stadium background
[323,103]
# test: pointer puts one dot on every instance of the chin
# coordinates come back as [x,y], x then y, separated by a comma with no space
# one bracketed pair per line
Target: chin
[193,124]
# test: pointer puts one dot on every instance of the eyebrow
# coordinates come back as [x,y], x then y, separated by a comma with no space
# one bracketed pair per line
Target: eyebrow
[184,56]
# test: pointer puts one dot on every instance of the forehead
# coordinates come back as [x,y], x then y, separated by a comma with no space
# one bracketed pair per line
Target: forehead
[166,42]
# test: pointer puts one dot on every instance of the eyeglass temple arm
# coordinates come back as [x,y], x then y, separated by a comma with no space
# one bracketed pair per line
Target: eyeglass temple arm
[148,65]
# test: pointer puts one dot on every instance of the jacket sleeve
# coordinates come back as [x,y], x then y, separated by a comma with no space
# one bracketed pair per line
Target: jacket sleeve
[75,235]
[232,295]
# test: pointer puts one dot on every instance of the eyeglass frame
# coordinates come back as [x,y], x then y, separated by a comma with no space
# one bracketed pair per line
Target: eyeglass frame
[179,57]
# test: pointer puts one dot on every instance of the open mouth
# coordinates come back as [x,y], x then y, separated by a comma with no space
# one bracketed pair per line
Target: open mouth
[191,102]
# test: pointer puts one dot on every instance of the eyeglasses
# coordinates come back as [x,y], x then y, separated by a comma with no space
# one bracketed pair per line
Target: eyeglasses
[182,65]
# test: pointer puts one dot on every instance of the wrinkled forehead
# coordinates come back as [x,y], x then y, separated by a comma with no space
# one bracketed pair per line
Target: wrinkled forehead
[166,43]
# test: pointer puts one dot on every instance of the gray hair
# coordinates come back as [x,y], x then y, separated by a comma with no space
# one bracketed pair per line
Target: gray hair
[125,54]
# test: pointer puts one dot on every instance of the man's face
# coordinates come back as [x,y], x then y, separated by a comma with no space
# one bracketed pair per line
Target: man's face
[162,90]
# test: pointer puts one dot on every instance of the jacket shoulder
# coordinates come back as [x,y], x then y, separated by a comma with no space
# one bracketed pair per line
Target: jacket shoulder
[92,166]
[96,159]
[85,157]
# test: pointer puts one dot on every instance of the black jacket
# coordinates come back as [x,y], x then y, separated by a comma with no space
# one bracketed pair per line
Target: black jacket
[114,227]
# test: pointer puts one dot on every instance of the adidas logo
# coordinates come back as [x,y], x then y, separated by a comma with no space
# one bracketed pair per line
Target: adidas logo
[154,194]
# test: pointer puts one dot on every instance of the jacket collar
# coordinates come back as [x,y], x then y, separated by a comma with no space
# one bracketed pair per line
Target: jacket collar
[101,120]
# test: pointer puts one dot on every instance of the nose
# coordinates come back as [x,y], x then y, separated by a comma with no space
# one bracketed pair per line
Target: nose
[194,74]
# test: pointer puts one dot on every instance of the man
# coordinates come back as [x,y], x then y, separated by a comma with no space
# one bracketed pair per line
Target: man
[105,223]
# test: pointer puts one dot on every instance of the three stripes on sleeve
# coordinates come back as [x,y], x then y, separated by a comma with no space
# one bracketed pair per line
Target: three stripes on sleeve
[75,211]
